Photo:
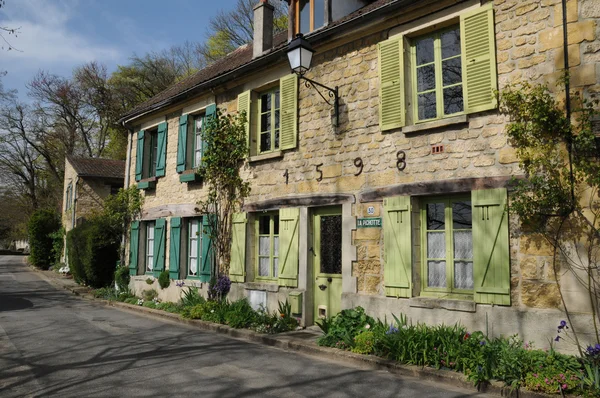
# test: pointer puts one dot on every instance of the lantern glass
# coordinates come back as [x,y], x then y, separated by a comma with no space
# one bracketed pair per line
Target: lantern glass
[300,55]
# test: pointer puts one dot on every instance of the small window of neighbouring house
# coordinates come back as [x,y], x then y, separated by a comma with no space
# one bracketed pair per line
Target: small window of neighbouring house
[437,74]
[310,15]
[69,200]
[268,245]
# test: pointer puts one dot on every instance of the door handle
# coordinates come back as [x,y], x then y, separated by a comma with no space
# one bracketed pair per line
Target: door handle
[322,287]
[329,279]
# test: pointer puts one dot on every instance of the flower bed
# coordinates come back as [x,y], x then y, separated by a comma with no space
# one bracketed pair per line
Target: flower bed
[480,358]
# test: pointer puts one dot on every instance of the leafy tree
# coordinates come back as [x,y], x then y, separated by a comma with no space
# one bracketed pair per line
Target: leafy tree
[226,150]
[558,198]
[42,224]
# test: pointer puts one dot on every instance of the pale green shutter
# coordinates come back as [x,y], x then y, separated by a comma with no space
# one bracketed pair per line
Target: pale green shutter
[159,246]
[391,83]
[139,156]
[288,247]
[244,106]
[161,150]
[288,93]
[478,59]
[134,242]
[175,248]
[207,252]
[491,258]
[182,143]
[237,266]
[397,271]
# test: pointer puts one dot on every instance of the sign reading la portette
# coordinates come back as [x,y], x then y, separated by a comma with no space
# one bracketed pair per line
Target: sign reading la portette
[371,222]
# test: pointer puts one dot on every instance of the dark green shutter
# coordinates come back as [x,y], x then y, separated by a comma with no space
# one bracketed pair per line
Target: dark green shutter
[211,112]
[397,241]
[161,150]
[479,59]
[182,143]
[391,83]
[134,242]
[237,264]
[159,246]
[139,156]
[491,256]
[207,252]
[175,248]
[288,247]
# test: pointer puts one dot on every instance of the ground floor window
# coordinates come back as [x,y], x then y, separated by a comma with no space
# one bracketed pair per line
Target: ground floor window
[149,247]
[194,259]
[268,245]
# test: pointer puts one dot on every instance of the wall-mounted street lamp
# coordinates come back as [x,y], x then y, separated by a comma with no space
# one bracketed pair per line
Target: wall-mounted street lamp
[300,54]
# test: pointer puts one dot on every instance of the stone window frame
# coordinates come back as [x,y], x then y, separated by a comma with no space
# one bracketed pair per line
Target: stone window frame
[272,277]
[449,291]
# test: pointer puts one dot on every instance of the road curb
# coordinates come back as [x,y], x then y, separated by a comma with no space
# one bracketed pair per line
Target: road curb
[286,341]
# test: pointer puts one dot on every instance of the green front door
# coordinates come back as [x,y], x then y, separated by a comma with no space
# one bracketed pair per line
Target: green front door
[327,251]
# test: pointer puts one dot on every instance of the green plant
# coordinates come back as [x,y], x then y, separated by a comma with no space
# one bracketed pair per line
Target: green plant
[551,380]
[149,281]
[40,229]
[123,296]
[149,304]
[364,343]
[344,326]
[164,280]
[214,311]
[191,297]
[131,300]
[122,278]
[58,243]
[169,307]
[240,314]
[106,293]
[590,379]
[149,295]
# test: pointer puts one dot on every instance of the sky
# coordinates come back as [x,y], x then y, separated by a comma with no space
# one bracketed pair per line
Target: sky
[58,35]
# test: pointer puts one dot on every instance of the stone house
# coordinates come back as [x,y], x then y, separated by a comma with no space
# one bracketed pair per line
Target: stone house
[399,204]
[88,181]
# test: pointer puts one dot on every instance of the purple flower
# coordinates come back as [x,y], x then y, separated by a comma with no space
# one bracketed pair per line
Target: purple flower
[179,283]
[392,330]
[557,338]
[482,342]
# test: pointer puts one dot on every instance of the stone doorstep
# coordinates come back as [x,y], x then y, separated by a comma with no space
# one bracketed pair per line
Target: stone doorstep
[286,341]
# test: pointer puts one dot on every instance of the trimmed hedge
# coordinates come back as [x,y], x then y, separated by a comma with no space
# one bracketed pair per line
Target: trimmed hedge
[41,225]
[93,249]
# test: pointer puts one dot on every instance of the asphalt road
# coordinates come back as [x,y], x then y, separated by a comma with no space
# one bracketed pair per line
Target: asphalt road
[54,344]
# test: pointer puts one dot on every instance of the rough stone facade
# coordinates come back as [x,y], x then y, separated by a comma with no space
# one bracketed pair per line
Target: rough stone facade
[528,48]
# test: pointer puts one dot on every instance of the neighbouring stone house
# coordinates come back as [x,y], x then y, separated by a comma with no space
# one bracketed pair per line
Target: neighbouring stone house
[88,181]
[400,205]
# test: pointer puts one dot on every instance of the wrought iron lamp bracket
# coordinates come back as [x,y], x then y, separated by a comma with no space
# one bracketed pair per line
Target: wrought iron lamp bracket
[332,93]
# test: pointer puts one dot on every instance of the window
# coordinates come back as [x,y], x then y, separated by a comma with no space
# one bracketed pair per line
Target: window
[448,72]
[269,122]
[437,74]
[272,114]
[194,260]
[447,244]
[310,15]
[151,154]
[268,246]
[151,143]
[69,200]
[149,247]
[199,121]
[190,142]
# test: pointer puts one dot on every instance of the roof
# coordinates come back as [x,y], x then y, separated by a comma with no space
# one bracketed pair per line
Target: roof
[98,167]
[238,58]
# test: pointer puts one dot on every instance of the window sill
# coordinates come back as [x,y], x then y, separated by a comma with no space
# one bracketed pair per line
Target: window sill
[189,176]
[269,287]
[435,124]
[447,304]
[266,156]
[147,183]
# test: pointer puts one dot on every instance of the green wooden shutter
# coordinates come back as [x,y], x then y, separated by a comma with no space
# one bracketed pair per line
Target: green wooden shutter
[139,156]
[397,272]
[237,265]
[288,89]
[175,248]
[288,247]
[207,252]
[182,143]
[159,246]
[161,150]
[134,242]
[391,83]
[478,59]
[491,257]
[244,100]
[211,112]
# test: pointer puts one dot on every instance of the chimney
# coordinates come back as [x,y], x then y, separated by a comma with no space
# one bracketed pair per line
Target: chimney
[263,28]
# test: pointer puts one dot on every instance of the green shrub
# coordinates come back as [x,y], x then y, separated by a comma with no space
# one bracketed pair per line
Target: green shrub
[191,297]
[124,296]
[169,307]
[42,224]
[163,279]
[149,295]
[364,343]
[214,311]
[122,278]
[93,249]
[131,300]
[344,326]
[240,314]
[106,293]
[277,322]
[149,304]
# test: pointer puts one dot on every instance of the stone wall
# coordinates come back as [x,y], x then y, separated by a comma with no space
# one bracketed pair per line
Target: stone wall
[529,48]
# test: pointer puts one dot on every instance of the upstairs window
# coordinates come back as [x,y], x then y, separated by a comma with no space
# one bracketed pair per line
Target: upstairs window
[191,145]
[310,15]
[151,153]
[269,121]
